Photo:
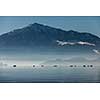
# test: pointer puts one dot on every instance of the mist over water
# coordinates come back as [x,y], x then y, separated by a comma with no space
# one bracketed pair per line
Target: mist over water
[50,74]
[63,72]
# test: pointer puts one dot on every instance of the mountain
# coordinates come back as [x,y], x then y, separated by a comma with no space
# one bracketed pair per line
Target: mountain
[38,35]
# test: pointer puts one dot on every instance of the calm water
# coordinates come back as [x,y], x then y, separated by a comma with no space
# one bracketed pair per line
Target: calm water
[50,74]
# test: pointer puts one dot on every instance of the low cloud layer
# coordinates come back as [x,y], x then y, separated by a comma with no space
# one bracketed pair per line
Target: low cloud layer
[96,51]
[74,43]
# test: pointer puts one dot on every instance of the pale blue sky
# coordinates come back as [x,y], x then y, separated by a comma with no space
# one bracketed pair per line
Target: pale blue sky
[81,24]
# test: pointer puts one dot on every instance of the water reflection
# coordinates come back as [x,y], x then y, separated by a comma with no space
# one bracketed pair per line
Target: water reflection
[55,73]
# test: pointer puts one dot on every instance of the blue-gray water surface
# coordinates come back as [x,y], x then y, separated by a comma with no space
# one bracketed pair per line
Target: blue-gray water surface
[50,74]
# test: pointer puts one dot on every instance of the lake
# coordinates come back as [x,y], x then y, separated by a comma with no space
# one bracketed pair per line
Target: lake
[50,74]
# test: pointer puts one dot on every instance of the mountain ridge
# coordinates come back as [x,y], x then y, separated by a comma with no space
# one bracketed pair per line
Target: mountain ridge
[42,35]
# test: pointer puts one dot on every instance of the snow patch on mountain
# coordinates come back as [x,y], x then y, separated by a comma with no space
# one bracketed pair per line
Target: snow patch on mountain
[62,43]
[86,43]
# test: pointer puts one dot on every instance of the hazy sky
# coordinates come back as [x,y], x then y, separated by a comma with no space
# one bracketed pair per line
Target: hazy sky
[81,24]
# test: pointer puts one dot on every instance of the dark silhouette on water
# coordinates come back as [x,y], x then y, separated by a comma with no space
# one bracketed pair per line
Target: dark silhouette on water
[55,66]
[91,65]
[42,65]
[71,65]
[87,65]
[14,65]
[75,66]
[33,65]
[84,65]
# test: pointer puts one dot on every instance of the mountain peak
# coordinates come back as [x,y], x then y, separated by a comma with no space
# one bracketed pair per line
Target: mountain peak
[43,35]
[36,24]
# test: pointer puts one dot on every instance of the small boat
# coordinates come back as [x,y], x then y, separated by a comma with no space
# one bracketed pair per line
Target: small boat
[84,65]
[42,65]
[55,66]
[91,65]
[75,66]
[33,65]
[14,65]
[71,65]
